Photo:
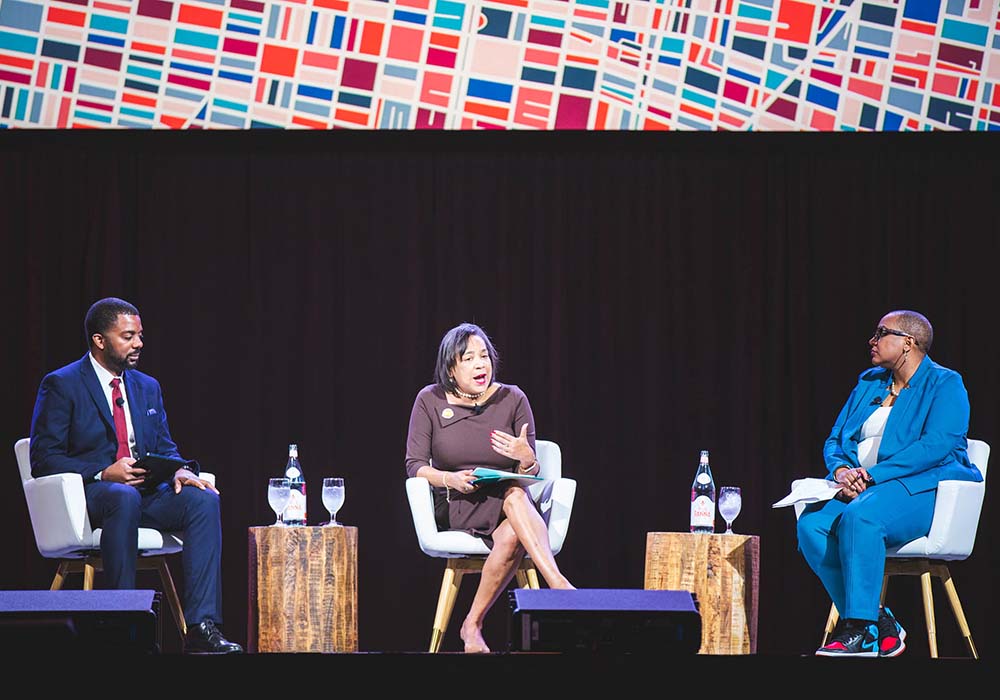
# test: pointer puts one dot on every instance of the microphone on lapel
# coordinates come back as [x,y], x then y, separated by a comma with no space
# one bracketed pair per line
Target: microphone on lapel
[120,401]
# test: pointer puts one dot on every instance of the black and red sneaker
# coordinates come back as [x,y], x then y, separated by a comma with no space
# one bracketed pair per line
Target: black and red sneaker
[891,635]
[855,638]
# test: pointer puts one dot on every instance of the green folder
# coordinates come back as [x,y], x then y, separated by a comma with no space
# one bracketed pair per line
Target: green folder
[485,476]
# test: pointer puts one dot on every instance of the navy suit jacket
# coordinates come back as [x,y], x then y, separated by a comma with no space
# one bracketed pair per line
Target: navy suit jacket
[924,440]
[72,428]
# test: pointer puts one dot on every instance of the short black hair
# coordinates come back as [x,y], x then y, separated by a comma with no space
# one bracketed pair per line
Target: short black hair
[453,344]
[103,315]
[917,325]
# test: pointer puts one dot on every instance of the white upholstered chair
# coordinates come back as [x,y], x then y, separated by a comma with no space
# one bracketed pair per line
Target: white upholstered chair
[465,553]
[951,538]
[58,510]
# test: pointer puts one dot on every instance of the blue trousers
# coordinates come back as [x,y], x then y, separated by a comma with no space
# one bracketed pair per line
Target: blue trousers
[845,543]
[121,510]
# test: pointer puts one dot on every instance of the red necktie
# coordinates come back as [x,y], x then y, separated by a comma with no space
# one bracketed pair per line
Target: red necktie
[118,409]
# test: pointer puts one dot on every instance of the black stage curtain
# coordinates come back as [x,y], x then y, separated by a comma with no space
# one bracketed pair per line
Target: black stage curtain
[654,295]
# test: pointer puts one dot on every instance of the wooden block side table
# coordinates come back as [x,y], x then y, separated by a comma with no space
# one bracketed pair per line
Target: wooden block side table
[303,589]
[723,572]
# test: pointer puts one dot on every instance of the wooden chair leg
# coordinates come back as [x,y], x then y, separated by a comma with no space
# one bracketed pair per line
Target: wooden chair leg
[527,574]
[88,575]
[91,564]
[531,574]
[831,624]
[60,578]
[450,582]
[956,607]
[170,591]
[522,578]
[928,596]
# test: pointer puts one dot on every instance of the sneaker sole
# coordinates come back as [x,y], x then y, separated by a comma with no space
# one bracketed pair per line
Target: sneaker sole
[848,654]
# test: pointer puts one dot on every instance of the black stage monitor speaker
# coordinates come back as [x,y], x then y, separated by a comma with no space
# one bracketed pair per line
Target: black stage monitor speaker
[604,620]
[90,622]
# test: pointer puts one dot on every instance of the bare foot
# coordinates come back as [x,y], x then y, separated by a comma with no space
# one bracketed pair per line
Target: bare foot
[472,635]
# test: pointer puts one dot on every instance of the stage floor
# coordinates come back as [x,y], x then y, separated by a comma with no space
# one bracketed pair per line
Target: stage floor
[500,674]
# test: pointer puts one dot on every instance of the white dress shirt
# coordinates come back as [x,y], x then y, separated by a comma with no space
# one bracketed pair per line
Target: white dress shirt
[871,436]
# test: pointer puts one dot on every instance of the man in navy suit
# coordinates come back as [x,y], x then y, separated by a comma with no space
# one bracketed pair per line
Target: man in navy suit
[93,417]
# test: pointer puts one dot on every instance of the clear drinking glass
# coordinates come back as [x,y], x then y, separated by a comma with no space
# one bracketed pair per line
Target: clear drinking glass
[730,503]
[333,498]
[278,493]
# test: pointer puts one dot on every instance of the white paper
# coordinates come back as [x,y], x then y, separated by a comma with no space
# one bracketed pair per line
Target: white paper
[809,490]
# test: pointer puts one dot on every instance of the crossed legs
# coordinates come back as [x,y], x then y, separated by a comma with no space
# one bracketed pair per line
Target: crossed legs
[522,532]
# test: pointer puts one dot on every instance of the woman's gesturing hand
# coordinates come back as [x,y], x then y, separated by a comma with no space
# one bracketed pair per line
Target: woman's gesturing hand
[513,447]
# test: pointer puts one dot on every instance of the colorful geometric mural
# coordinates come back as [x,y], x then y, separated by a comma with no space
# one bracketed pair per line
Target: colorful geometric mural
[819,65]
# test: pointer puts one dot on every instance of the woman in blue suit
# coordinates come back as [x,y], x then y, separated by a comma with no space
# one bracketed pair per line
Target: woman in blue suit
[901,431]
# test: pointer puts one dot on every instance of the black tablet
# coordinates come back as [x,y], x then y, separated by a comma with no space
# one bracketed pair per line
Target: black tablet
[160,468]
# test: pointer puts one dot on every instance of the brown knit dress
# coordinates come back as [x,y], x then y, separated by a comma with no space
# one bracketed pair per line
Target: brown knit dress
[452,438]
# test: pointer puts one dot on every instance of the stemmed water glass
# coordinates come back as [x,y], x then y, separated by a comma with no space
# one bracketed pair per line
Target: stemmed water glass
[333,498]
[730,503]
[278,493]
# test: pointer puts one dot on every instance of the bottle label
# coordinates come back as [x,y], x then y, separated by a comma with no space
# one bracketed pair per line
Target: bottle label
[296,510]
[703,512]
[293,472]
[704,478]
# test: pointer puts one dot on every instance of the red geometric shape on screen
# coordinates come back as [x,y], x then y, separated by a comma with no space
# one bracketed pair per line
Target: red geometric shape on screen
[798,17]
[279,60]
[358,74]
[572,112]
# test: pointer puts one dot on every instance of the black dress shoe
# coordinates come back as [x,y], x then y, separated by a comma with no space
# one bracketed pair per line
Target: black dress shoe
[205,638]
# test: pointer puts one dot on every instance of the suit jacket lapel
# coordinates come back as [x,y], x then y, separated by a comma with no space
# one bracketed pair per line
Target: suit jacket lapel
[867,407]
[137,409]
[96,391]
[896,428]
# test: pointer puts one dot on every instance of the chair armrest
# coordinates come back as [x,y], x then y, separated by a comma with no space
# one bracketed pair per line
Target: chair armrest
[58,510]
[418,493]
[557,509]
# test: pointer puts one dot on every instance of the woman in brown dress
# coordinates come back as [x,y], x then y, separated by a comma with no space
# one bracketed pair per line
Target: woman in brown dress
[467,420]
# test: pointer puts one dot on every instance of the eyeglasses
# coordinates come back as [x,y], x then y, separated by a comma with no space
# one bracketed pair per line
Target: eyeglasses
[882,332]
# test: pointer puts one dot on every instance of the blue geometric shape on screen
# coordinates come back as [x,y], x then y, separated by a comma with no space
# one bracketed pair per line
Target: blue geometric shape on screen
[878,15]
[26,16]
[538,75]
[582,78]
[57,49]
[892,121]
[922,10]
[497,22]
[822,97]
[751,47]
[701,79]
[490,90]
[869,116]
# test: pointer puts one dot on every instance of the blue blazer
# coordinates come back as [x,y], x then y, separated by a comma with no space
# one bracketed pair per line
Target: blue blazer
[72,429]
[925,438]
